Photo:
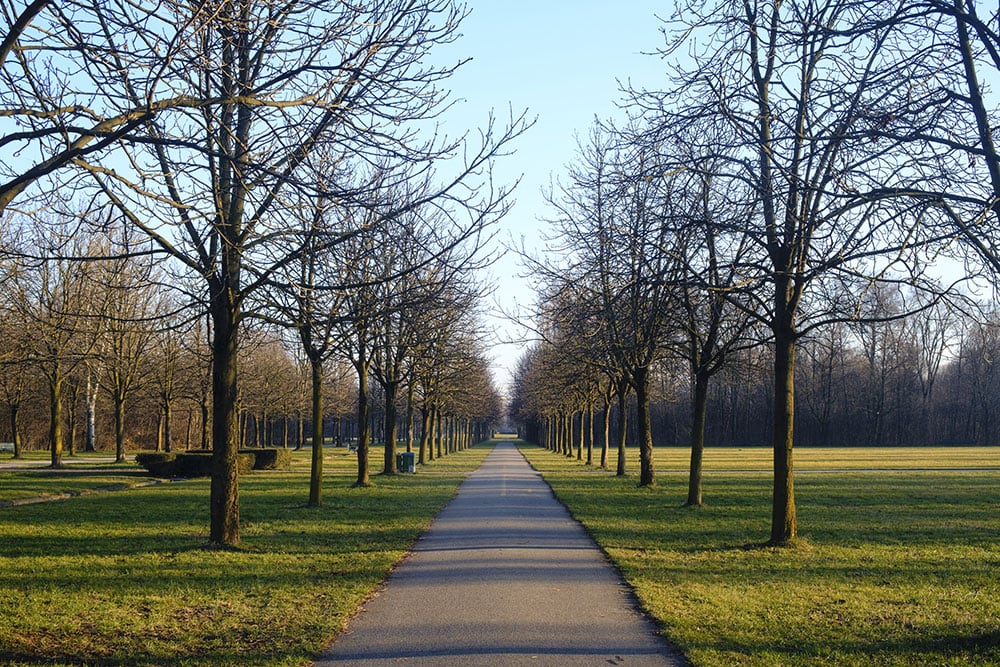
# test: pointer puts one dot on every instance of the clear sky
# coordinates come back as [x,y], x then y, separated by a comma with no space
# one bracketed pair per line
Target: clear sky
[564,62]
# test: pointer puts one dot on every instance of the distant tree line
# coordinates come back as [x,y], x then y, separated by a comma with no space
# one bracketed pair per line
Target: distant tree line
[884,394]
[789,243]
[169,406]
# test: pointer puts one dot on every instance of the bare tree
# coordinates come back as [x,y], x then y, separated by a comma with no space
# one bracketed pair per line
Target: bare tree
[812,95]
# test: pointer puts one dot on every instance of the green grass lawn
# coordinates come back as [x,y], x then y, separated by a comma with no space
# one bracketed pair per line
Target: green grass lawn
[896,567]
[124,578]
[19,485]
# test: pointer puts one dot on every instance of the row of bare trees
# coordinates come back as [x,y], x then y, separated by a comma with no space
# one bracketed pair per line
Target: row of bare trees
[807,160]
[870,384]
[78,331]
[234,140]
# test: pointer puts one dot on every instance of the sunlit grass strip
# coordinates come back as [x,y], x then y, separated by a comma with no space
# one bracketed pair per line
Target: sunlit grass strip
[895,568]
[728,459]
[27,485]
[123,578]
[83,476]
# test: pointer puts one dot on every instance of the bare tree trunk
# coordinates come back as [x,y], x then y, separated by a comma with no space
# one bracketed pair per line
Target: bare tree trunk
[55,422]
[783,528]
[225,503]
[647,475]
[567,426]
[606,445]
[409,417]
[438,431]
[205,421]
[74,395]
[316,470]
[119,402]
[699,409]
[622,427]
[425,435]
[168,435]
[90,445]
[159,430]
[590,434]
[390,429]
[15,429]
[364,427]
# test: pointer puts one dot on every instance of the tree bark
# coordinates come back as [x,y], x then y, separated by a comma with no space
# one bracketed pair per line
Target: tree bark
[205,422]
[167,433]
[299,430]
[71,411]
[699,409]
[590,434]
[409,418]
[316,469]
[390,429]
[647,474]
[622,427]
[783,528]
[224,504]
[91,441]
[606,445]
[364,427]
[55,421]
[119,402]
[425,433]
[15,428]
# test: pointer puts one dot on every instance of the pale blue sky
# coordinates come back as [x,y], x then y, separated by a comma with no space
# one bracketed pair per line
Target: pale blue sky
[562,61]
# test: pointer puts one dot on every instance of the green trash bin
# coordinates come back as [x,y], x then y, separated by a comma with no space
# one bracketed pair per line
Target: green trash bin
[406,462]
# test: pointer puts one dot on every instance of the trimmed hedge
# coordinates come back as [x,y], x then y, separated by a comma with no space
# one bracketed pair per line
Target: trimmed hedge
[270,458]
[159,464]
[194,463]
[198,463]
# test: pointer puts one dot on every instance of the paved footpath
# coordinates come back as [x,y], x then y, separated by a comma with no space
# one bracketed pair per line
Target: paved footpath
[504,576]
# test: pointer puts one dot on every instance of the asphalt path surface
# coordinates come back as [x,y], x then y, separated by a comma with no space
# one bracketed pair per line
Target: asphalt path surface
[504,576]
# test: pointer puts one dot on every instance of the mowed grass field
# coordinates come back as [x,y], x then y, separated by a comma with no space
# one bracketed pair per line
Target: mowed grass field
[82,474]
[899,561]
[123,578]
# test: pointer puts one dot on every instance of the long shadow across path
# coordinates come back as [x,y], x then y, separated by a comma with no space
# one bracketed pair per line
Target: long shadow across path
[504,576]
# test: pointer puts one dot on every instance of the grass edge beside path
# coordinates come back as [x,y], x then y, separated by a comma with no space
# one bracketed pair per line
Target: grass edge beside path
[894,569]
[123,578]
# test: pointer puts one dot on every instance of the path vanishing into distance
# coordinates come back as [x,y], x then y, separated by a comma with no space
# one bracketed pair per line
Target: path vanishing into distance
[504,576]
